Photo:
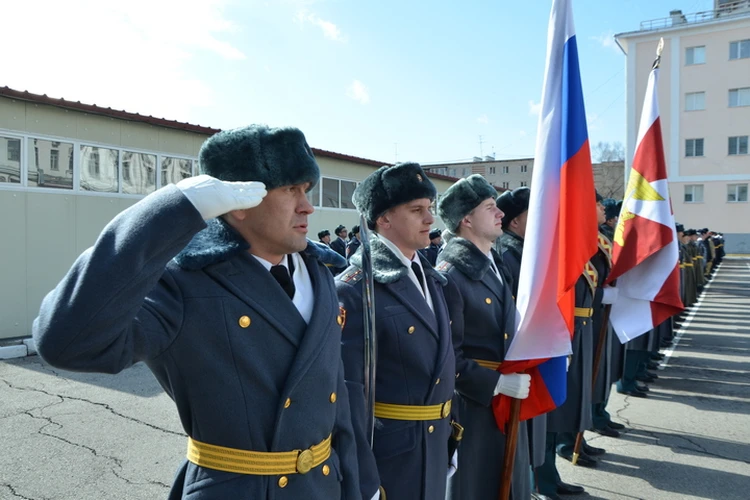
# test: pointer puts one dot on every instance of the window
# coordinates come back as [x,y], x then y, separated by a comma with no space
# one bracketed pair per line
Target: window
[695,55]
[173,170]
[738,145]
[14,149]
[330,193]
[694,147]
[506,185]
[695,101]
[736,193]
[54,159]
[44,164]
[506,170]
[694,193]
[524,169]
[492,170]
[739,97]
[100,169]
[313,196]
[347,191]
[139,172]
[10,166]
[739,49]
[523,184]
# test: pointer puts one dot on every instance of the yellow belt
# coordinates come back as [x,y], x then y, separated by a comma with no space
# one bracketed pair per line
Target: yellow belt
[698,257]
[258,463]
[584,312]
[412,412]
[492,365]
[688,264]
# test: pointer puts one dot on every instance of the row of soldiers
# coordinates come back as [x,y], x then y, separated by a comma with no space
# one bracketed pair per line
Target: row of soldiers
[701,251]
[214,285]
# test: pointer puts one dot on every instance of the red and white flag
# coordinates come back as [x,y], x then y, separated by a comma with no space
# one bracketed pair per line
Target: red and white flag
[646,250]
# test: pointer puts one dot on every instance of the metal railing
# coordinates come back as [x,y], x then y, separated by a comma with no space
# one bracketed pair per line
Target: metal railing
[737,8]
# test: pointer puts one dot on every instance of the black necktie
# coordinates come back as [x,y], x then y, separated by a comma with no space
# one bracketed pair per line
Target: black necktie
[418,271]
[281,274]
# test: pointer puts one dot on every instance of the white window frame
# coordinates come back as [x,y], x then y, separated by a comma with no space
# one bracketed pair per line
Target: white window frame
[523,184]
[524,169]
[738,139]
[736,192]
[743,95]
[694,155]
[735,49]
[492,170]
[690,52]
[695,101]
[77,143]
[690,189]
[506,169]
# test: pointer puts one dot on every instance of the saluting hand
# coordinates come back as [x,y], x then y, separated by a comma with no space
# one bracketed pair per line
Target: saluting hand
[213,197]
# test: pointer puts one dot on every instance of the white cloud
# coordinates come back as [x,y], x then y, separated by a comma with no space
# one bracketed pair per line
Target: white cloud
[330,30]
[358,92]
[131,55]
[535,108]
[606,40]
[483,120]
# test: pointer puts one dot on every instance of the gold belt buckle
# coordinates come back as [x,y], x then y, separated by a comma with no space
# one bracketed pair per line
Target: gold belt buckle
[304,461]
[445,410]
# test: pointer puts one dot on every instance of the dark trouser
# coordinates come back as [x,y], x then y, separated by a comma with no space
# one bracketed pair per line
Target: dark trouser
[547,476]
[566,442]
[633,361]
[600,415]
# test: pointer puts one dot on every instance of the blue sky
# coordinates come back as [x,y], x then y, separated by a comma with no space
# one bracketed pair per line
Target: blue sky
[387,80]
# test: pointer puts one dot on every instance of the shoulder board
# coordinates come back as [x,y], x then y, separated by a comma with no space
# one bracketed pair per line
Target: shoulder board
[351,277]
[444,266]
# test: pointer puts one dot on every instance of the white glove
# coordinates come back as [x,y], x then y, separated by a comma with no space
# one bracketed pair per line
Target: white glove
[453,467]
[609,295]
[568,359]
[515,385]
[212,197]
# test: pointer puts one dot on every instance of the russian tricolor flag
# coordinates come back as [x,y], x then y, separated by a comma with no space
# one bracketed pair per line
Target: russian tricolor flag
[561,232]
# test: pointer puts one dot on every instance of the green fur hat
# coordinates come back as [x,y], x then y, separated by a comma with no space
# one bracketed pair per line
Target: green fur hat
[463,197]
[390,186]
[513,203]
[274,156]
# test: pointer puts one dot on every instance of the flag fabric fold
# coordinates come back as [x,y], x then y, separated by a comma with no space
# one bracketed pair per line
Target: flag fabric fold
[646,250]
[561,232]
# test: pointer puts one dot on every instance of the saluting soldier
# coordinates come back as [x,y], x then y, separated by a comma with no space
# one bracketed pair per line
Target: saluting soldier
[416,368]
[194,280]
[483,317]
[515,205]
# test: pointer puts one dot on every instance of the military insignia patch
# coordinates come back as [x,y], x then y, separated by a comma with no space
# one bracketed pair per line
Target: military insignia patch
[341,319]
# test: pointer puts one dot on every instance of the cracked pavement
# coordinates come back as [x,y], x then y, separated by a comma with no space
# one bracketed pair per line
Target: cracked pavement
[691,437]
[93,436]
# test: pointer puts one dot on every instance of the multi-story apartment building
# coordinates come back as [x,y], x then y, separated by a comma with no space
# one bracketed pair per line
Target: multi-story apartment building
[506,174]
[704,99]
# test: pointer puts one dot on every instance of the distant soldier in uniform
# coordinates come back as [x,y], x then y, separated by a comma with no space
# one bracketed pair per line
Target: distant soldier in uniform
[324,237]
[354,243]
[612,214]
[339,244]
[194,280]
[431,252]
[483,317]
[515,205]
[416,367]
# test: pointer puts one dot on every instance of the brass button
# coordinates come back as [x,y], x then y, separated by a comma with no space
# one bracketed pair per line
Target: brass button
[340,321]
[506,335]
[488,300]
[283,481]
[584,322]
[431,429]
[411,330]
[288,403]
[326,470]
[332,399]
[437,381]
[245,321]
[446,409]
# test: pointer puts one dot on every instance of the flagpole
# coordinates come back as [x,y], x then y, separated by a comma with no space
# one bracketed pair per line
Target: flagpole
[511,441]
[597,361]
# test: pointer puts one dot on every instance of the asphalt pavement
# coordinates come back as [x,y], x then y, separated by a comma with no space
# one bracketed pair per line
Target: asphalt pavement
[73,436]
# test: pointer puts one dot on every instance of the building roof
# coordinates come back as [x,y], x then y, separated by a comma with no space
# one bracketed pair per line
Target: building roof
[726,11]
[163,122]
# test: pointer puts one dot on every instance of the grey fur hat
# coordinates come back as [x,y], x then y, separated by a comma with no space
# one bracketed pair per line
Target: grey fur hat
[463,197]
[274,156]
[513,203]
[390,186]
